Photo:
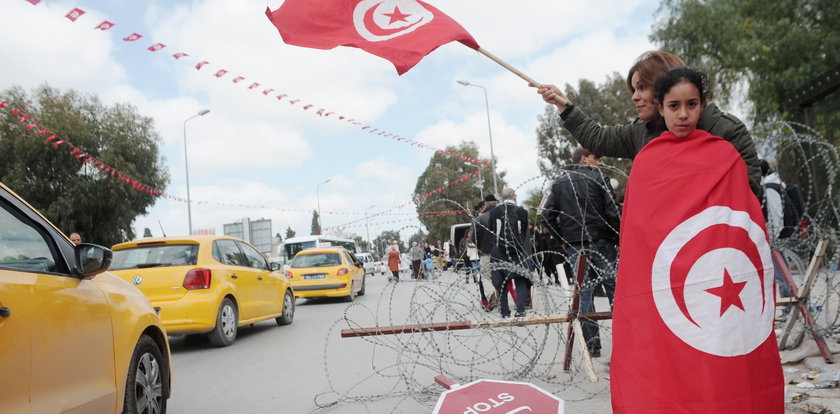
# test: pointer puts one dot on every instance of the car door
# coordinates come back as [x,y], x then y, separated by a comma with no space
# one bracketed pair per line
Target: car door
[238,275]
[64,354]
[357,269]
[268,296]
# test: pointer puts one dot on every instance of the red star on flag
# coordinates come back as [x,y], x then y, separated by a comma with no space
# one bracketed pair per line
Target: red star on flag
[729,293]
[396,16]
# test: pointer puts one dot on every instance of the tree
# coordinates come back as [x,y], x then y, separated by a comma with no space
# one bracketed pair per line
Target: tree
[316,225]
[289,232]
[147,232]
[381,242]
[279,237]
[418,237]
[74,195]
[442,170]
[531,201]
[772,49]
[608,104]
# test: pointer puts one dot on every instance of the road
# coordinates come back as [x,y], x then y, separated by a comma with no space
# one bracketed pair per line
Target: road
[273,369]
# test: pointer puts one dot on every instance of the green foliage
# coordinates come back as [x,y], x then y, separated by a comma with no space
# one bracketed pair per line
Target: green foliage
[381,243]
[316,227]
[531,202]
[442,170]
[289,232]
[418,237]
[774,48]
[147,232]
[608,104]
[76,196]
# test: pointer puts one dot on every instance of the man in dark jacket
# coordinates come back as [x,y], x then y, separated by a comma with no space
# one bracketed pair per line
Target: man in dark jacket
[582,211]
[484,242]
[510,225]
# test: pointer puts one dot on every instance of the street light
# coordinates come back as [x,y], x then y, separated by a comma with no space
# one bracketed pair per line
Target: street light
[187,166]
[479,182]
[366,224]
[489,131]
[318,197]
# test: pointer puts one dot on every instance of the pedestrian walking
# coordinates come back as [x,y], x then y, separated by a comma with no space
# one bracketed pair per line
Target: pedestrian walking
[415,254]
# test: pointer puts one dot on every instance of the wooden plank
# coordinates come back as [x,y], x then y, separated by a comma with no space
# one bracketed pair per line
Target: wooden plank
[460,325]
[810,275]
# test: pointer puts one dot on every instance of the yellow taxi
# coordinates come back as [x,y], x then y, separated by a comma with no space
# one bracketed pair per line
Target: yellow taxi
[206,284]
[73,337]
[327,271]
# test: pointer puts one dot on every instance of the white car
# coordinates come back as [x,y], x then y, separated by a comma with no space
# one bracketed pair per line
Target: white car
[368,262]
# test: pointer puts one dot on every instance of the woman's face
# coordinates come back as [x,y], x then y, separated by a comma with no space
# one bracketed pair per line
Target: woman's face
[643,98]
[681,108]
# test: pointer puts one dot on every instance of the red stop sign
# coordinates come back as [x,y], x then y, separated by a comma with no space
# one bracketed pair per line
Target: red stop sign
[498,397]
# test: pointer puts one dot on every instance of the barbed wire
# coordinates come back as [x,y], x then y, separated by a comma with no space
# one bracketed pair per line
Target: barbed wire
[401,367]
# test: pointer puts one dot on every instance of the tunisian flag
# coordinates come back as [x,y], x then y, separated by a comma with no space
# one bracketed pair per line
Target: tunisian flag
[694,304]
[402,31]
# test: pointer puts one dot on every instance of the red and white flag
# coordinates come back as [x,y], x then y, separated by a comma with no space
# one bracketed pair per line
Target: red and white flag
[694,303]
[401,31]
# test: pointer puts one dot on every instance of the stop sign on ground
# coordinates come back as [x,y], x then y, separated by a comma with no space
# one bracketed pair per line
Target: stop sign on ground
[498,397]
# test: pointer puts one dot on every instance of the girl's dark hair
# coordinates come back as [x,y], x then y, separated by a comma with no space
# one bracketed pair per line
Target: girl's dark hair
[673,76]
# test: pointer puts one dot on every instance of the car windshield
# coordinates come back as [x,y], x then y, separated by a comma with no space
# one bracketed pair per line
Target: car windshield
[155,256]
[316,260]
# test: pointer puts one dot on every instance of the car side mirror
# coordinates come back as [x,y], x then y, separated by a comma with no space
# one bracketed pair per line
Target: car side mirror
[275,266]
[92,259]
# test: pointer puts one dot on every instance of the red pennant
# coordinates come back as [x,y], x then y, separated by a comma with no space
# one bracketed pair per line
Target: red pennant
[74,14]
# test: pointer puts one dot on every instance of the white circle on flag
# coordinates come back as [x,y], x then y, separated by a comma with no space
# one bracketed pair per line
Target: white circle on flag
[380,20]
[711,324]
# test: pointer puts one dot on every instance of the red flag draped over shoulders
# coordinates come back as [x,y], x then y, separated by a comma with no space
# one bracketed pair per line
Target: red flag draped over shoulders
[694,304]
[402,31]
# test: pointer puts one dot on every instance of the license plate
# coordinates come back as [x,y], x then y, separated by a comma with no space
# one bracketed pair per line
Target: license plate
[318,276]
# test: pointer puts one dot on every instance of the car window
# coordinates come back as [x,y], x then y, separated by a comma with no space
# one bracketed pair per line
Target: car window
[165,255]
[316,260]
[255,259]
[226,252]
[22,246]
[352,259]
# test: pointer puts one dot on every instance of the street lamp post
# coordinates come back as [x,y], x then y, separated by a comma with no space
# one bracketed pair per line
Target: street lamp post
[318,197]
[489,132]
[479,182]
[366,224]
[187,166]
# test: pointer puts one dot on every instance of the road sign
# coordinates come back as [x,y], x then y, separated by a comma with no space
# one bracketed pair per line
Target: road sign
[498,397]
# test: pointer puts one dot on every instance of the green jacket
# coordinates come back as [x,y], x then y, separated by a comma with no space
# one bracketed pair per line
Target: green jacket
[625,141]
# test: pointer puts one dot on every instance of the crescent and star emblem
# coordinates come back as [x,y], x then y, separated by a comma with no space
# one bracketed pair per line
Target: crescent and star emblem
[712,280]
[380,20]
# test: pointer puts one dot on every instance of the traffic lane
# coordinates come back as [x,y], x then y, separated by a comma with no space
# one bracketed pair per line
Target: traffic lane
[271,369]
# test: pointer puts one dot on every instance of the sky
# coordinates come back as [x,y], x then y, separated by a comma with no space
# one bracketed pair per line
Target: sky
[254,156]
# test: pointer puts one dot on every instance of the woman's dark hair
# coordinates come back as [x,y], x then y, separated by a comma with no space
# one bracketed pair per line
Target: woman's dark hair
[650,65]
[676,75]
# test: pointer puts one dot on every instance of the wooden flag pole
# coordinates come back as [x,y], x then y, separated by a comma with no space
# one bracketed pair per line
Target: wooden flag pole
[515,71]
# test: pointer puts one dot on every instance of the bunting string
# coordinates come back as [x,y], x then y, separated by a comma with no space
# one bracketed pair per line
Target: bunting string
[78,15]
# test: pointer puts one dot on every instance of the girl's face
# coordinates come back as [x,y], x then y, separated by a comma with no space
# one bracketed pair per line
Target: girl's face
[681,108]
[643,98]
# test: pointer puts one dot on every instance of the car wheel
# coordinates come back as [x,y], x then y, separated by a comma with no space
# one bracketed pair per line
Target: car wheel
[288,310]
[351,296]
[146,386]
[227,322]
[362,291]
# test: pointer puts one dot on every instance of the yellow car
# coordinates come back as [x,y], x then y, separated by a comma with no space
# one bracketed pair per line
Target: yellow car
[73,337]
[327,271]
[205,284]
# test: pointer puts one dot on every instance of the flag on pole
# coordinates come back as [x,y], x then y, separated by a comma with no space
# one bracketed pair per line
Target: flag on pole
[694,304]
[401,31]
